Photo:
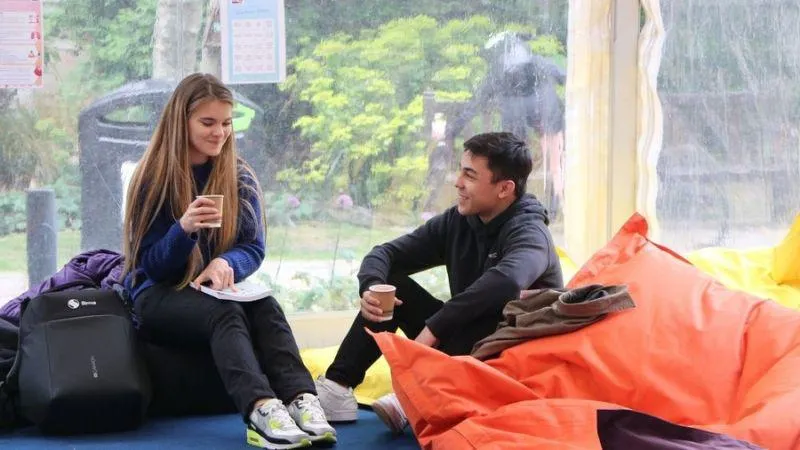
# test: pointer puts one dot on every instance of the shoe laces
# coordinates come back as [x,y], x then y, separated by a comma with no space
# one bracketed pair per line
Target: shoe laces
[277,412]
[310,404]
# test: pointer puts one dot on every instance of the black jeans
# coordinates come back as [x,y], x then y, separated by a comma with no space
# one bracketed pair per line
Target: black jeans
[252,345]
[359,351]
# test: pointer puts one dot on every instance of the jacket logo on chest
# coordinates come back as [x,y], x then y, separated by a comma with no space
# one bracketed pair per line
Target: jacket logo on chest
[492,255]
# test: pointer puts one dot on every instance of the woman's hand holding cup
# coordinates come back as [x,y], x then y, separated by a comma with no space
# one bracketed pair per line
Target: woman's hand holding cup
[202,213]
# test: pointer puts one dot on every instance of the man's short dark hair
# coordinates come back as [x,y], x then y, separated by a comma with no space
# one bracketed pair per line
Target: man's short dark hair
[508,157]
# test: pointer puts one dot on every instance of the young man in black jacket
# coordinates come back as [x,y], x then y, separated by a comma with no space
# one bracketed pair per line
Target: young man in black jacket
[494,243]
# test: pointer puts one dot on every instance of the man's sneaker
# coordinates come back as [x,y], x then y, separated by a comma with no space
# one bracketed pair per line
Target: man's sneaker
[337,401]
[309,416]
[270,426]
[391,413]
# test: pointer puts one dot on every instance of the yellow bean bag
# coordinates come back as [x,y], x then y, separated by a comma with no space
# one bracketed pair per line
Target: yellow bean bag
[786,258]
[772,273]
[746,270]
[568,266]
[378,382]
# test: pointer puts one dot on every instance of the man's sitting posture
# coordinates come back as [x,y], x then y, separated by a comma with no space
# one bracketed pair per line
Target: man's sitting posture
[494,243]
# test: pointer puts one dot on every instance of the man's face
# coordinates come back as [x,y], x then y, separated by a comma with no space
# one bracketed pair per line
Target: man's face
[477,193]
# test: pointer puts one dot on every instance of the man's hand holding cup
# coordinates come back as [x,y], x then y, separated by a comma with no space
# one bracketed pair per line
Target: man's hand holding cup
[378,302]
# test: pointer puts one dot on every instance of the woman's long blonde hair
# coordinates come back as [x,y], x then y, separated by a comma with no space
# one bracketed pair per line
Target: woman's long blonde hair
[164,177]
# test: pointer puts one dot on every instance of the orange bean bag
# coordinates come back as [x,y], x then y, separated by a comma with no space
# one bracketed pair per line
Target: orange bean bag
[692,352]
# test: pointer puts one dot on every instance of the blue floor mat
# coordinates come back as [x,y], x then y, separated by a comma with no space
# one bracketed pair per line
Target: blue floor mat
[207,432]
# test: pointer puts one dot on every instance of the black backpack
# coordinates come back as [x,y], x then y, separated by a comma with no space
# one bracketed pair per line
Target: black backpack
[78,368]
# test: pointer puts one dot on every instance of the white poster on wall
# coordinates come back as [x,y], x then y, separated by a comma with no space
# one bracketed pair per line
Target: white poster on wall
[21,44]
[253,39]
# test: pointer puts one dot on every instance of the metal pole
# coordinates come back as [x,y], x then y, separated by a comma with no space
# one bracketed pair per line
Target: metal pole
[42,234]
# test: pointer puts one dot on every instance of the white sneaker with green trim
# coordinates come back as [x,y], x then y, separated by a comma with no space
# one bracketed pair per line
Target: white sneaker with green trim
[310,417]
[271,427]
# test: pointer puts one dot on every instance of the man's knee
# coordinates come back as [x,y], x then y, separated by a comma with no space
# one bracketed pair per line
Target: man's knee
[404,284]
[395,277]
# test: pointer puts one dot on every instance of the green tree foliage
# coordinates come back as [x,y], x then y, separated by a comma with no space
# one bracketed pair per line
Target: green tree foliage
[309,22]
[30,147]
[113,36]
[375,108]
[308,26]
[18,159]
[365,97]
[34,151]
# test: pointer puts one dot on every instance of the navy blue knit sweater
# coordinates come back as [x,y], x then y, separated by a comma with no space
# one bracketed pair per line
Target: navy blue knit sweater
[166,248]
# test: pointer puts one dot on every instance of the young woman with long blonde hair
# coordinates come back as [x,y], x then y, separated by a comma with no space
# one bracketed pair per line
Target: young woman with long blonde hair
[169,244]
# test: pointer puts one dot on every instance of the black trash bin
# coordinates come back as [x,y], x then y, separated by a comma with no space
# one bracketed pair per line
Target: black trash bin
[116,129]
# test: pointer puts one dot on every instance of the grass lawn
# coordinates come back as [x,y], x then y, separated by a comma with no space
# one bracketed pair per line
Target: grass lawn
[308,241]
[14,255]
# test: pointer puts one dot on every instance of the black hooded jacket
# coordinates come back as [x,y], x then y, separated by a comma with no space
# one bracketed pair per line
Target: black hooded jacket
[487,264]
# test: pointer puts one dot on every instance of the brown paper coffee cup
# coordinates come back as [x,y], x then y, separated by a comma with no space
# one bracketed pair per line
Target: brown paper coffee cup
[385,294]
[217,199]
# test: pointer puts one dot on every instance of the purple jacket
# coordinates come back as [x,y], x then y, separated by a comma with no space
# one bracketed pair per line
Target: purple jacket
[92,269]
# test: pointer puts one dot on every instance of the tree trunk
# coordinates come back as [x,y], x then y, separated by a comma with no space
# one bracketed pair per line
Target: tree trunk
[175,38]
[211,58]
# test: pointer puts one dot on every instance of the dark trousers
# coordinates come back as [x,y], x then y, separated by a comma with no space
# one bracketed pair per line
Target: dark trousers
[177,374]
[359,351]
[251,343]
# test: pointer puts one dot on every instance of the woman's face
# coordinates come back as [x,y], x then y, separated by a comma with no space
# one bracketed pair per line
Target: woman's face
[209,127]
